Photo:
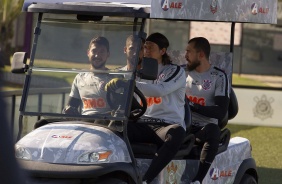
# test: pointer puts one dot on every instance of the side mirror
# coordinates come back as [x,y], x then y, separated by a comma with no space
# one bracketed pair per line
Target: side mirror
[18,64]
[149,69]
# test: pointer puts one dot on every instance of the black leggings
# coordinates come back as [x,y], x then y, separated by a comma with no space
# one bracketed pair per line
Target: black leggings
[208,137]
[168,138]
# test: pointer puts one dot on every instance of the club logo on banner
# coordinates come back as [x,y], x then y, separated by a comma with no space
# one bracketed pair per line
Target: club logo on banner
[171,171]
[263,109]
[213,6]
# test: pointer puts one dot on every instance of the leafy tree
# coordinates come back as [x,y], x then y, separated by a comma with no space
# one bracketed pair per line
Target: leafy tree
[9,10]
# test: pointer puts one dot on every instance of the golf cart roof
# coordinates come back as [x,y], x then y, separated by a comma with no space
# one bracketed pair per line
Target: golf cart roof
[263,11]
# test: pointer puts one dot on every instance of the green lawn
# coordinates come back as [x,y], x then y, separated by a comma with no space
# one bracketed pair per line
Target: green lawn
[238,80]
[266,144]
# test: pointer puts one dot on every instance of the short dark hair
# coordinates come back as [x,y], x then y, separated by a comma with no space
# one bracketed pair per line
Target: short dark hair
[101,41]
[132,39]
[201,44]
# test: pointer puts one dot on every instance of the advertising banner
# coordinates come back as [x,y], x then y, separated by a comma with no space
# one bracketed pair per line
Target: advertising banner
[256,11]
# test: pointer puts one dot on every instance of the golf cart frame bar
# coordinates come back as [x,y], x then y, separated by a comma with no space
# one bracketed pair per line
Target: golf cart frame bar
[85,9]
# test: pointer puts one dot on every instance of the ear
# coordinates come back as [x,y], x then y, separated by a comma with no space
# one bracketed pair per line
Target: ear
[163,50]
[202,54]
[88,52]
[124,50]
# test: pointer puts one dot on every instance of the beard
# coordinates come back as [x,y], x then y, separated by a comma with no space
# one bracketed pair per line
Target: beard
[193,65]
[97,64]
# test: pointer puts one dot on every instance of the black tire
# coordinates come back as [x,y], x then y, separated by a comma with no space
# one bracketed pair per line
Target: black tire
[248,179]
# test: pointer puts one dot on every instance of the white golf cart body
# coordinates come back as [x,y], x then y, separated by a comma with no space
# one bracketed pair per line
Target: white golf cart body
[73,149]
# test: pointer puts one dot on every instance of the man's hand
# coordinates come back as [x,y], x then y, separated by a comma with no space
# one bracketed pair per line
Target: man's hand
[193,106]
[114,84]
[70,110]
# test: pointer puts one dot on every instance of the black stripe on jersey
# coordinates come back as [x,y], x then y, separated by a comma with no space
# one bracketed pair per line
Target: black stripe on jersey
[174,74]
[226,88]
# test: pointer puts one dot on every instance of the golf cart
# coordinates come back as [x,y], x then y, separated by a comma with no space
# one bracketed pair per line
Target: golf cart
[94,148]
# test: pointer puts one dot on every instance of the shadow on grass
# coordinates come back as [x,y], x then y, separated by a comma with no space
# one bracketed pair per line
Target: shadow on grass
[269,175]
[237,128]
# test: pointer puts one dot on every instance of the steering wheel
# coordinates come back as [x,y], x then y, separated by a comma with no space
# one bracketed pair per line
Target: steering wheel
[137,110]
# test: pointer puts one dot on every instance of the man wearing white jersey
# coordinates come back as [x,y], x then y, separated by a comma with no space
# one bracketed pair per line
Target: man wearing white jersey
[130,50]
[207,89]
[163,122]
[88,87]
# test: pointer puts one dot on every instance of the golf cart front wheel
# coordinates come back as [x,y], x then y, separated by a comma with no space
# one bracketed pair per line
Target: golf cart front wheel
[248,179]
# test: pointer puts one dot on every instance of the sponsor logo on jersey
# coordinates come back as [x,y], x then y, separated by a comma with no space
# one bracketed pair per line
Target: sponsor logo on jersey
[93,103]
[153,100]
[215,173]
[206,84]
[154,120]
[197,100]
[214,73]
[166,4]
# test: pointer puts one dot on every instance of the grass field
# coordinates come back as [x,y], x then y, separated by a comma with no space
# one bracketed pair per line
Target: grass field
[266,144]
[238,80]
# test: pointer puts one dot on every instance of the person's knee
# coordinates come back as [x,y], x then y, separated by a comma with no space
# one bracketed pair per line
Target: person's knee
[212,131]
[40,123]
[175,136]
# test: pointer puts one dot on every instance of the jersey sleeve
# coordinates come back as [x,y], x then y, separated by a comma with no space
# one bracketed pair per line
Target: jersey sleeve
[222,86]
[162,87]
[74,89]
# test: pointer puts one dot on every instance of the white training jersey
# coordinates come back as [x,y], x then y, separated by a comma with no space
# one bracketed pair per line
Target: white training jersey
[201,88]
[165,96]
[90,88]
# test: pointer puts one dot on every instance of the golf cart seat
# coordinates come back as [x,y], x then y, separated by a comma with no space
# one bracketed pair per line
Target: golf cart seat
[148,150]
[225,132]
[188,149]
[231,113]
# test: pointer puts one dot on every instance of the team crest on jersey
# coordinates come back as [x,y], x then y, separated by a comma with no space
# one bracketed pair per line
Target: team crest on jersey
[206,84]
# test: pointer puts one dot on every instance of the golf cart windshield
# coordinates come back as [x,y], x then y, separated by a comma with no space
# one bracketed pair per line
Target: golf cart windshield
[66,62]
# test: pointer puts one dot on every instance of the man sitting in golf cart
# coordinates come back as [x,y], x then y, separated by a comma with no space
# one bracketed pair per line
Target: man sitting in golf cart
[130,50]
[207,89]
[88,87]
[163,122]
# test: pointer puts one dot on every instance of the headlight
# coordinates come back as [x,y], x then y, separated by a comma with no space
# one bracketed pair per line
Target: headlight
[94,157]
[22,153]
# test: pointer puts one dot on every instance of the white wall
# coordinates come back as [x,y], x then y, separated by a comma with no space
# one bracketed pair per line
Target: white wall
[259,107]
